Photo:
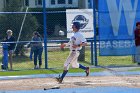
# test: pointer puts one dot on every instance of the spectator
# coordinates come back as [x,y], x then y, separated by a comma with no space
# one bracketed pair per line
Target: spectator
[37,49]
[137,42]
[11,45]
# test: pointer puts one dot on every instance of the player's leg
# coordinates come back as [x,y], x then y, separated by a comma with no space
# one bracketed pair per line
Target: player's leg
[87,70]
[60,78]
[65,71]
[63,75]
[75,64]
[66,67]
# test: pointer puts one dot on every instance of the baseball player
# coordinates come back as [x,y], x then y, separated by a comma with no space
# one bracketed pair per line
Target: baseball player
[76,42]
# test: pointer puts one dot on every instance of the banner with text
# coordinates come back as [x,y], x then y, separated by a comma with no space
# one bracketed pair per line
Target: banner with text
[117,19]
[84,17]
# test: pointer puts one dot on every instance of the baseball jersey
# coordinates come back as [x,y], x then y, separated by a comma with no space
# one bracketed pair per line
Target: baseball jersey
[76,39]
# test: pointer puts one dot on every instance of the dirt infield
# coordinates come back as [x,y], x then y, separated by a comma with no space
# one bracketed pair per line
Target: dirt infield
[71,82]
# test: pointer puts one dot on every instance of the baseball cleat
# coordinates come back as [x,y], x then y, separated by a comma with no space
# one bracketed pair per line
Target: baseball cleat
[87,71]
[59,79]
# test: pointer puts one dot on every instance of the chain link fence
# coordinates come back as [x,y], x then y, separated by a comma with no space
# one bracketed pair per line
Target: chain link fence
[23,21]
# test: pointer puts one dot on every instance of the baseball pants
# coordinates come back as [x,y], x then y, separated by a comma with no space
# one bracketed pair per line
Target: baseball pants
[72,59]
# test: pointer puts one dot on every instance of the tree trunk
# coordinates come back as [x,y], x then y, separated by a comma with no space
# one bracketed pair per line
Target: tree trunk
[82,54]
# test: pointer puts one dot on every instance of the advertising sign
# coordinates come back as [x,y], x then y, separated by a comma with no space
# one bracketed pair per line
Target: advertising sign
[85,17]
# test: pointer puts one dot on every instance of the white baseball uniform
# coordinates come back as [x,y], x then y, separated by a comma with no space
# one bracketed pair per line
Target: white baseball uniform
[76,39]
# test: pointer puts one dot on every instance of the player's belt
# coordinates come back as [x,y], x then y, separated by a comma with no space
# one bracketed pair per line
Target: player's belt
[75,50]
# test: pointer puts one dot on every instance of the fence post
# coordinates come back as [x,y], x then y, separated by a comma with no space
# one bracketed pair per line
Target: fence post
[92,59]
[45,33]
[95,40]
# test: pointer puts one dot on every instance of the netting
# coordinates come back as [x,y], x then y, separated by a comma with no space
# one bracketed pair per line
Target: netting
[24,18]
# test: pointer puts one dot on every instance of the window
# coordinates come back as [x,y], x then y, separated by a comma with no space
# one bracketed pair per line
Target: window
[26,2]
[6,3]
[70,1]
[61,1]
[38,2]
[52,2]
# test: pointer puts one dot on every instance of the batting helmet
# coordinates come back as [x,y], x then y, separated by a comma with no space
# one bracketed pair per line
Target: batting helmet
[77,25]
[138,23]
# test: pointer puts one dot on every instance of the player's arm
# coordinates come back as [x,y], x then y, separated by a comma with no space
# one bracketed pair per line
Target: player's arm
[65,44]
[83,44]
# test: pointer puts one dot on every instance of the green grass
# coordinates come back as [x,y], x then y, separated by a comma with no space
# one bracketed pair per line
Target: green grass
[43,71]
[136,69]
[115,60]
[56,59]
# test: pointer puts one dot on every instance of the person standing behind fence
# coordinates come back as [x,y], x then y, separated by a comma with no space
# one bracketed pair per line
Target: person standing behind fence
[76,42]
[37,49]
[137,42]
[11,45]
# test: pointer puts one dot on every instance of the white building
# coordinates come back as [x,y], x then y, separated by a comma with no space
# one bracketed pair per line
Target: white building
[1,5]
[50,3]
[57,3]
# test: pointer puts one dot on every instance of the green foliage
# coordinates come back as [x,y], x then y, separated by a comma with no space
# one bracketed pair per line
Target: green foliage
[53,19]
[14,22]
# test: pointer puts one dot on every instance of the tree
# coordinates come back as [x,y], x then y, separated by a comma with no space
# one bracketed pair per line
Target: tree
[14,21]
